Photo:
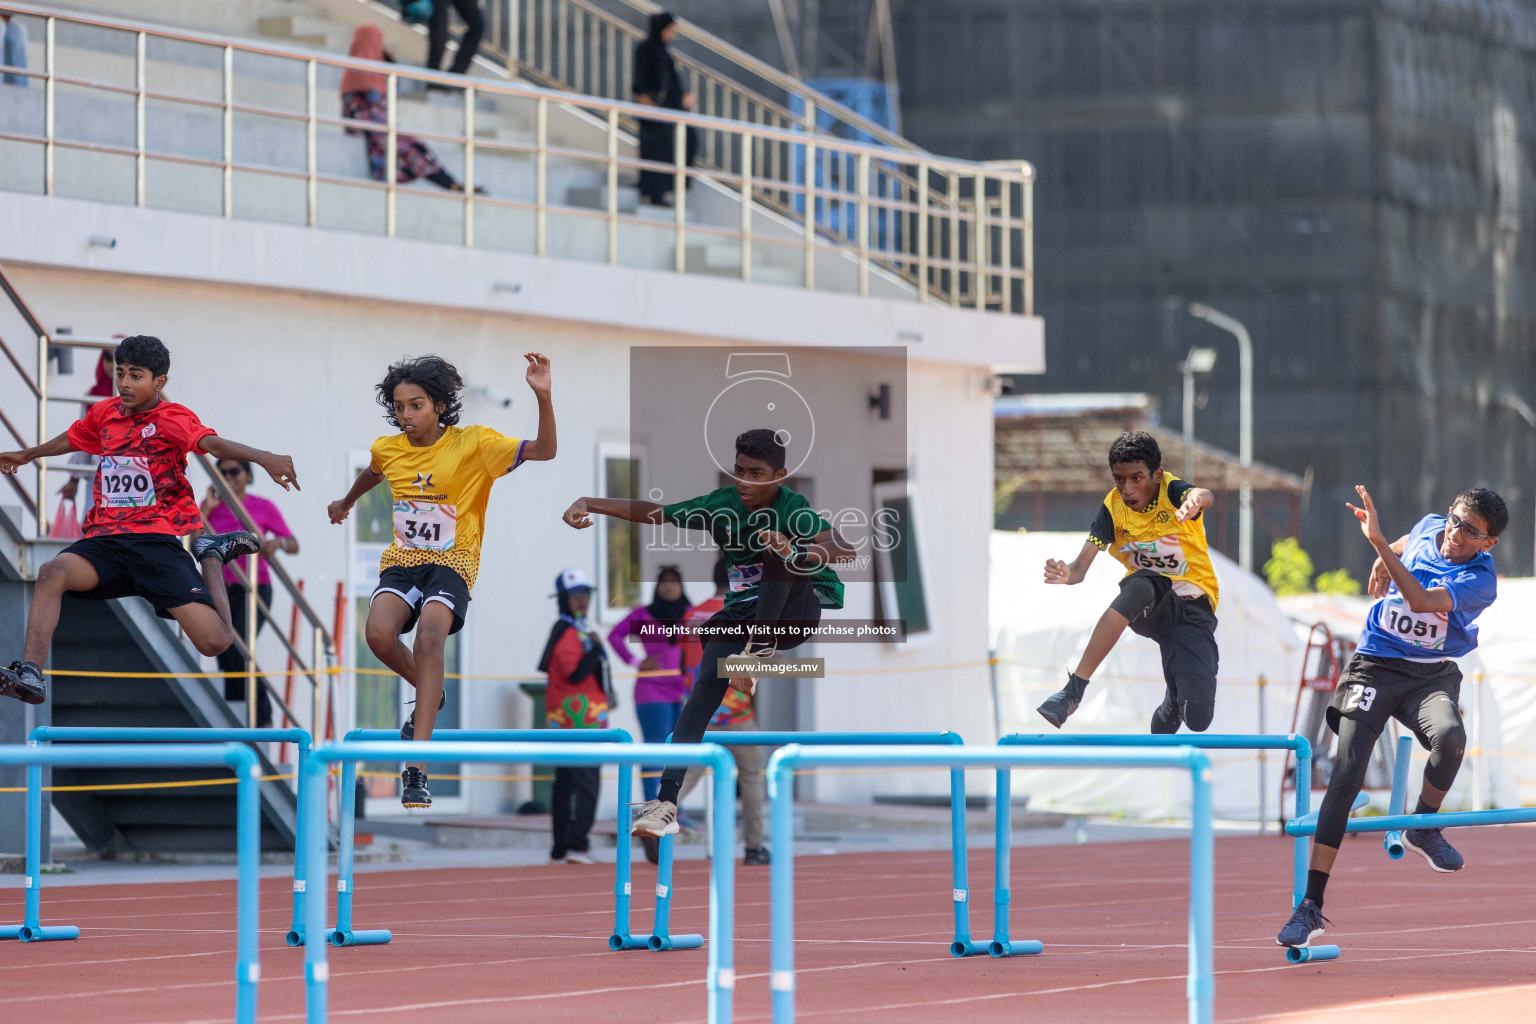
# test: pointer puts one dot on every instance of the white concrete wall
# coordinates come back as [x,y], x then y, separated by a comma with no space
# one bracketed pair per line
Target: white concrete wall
[278,335]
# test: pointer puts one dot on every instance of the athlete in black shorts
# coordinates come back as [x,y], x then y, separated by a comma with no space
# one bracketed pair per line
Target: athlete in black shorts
[143,504]
[1151,523]
[1431,584]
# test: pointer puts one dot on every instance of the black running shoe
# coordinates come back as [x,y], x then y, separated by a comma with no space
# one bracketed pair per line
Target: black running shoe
[24,681]
[226,547]
[408,730]
[757,855]
[413,789]
[1305,925]
[1060,705]
[1430,844]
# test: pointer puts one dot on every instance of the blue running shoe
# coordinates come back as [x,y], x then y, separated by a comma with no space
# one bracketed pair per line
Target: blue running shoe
[1305,925]
[1430,844]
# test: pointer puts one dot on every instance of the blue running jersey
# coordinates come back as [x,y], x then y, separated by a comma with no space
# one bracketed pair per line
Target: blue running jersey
[1392,630]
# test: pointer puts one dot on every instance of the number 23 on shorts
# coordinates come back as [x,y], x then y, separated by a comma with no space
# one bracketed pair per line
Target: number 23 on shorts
[1359,696]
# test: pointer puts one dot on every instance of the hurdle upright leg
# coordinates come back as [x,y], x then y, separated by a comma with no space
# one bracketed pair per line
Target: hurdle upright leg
[962,946]
[1002,892]
[1392,842]
[31,928]
[343,934]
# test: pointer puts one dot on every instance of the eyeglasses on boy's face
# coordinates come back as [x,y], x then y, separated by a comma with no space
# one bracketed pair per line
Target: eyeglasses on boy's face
[231,472]
[1464,528]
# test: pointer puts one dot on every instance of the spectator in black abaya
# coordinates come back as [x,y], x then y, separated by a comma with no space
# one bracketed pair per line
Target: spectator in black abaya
[469,42]
[657,84]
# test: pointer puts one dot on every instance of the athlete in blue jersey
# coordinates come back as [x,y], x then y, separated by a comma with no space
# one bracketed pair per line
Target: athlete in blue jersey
[1430,586]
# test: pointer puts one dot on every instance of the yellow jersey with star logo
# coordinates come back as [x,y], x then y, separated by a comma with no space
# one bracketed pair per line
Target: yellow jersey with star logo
[1155,539]
[440,493]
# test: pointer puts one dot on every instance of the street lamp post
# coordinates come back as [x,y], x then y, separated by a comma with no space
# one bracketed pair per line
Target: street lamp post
[1245,421]
[1199,361]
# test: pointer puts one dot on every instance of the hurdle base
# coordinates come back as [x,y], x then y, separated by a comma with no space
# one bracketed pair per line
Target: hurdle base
[660,943]
[1311,954]
[366,938]
[294,938]
[1392,842]
[961,948]
[617,942]
[1017,947]
[53,933]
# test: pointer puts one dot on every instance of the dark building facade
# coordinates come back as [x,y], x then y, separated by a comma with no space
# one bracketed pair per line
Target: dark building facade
[1350,179]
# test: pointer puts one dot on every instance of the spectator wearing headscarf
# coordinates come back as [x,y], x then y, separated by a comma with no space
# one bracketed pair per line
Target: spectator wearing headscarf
[364,98]
[579,696]
[656,83]
[658,698]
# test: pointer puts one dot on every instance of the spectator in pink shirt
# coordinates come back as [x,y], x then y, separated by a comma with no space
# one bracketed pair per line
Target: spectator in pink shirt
[275,536]
[658,698]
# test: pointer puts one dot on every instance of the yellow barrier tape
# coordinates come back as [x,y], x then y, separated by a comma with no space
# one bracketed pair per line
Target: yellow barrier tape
[653,775]
[142,785]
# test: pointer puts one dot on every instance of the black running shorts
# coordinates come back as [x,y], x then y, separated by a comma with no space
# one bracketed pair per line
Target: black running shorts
[419,586]
[153,566]
[1373,690]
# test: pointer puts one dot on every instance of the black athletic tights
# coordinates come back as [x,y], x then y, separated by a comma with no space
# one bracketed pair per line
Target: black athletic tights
[1438,727]
[783,594]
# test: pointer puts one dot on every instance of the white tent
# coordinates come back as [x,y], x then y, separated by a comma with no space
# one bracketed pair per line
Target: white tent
[1040,630]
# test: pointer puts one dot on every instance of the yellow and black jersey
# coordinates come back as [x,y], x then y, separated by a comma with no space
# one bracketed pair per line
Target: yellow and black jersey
[1155,539]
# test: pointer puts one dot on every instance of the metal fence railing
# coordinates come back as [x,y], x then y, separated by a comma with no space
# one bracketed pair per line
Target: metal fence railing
[191,121]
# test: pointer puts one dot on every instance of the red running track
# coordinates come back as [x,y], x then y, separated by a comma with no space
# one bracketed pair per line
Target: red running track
[528,944]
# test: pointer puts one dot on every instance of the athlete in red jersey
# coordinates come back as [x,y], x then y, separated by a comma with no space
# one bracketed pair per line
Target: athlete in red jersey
[143,504]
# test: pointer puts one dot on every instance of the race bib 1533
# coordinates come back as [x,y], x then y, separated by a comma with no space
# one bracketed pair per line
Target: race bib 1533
[745,577]
[423,525]
[1164,555]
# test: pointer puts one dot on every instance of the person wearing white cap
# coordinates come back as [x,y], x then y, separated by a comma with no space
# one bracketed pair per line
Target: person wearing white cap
[579,696]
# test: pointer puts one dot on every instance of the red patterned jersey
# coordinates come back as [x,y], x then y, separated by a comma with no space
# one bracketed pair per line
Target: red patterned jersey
[141,483]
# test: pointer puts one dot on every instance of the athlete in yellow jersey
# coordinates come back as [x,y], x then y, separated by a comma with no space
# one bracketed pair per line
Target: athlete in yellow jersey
[1151,522]
[440,477]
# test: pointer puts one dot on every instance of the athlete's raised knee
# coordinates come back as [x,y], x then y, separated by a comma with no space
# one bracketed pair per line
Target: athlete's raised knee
[1450,741]
[1198,716]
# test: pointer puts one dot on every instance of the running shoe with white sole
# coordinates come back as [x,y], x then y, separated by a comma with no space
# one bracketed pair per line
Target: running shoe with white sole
[24,681]
[226,547]
[1430,844]
[657,818]
[1306,924]
[579,857]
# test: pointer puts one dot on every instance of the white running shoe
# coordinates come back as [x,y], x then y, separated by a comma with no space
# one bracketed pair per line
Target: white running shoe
[657,818]
[579,857]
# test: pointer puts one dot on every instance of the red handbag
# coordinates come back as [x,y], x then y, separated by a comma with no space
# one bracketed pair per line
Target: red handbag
[66,521]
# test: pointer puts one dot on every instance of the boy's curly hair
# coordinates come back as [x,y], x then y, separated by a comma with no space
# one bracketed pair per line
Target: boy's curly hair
[434,375]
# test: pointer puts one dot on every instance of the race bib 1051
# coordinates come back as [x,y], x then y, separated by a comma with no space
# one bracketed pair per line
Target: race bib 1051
[1421,629]
[423,525]
[126,482]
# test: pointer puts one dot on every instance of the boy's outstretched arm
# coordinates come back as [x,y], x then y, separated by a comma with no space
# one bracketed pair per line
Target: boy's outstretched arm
[278,467]
[1057,571]
[10,462]
[542,447]
[580,514]
[1418,597]
[366,481]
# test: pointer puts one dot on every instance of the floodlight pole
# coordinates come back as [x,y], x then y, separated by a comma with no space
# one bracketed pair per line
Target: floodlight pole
[1245,421]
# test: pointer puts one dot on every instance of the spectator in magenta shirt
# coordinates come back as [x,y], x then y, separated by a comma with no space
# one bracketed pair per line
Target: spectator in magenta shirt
[275,536]
[658,698]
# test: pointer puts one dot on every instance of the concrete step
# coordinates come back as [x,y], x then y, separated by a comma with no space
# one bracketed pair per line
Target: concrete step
[303,31]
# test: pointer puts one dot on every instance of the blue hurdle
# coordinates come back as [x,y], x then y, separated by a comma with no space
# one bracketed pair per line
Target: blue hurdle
[961,946]
[1392,842]
[1202,982]
[241,760]
[345,935]
[104,734]
[720,982]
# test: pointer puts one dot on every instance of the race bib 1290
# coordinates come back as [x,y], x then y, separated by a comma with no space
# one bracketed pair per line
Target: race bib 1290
[126,482]
[423,525]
